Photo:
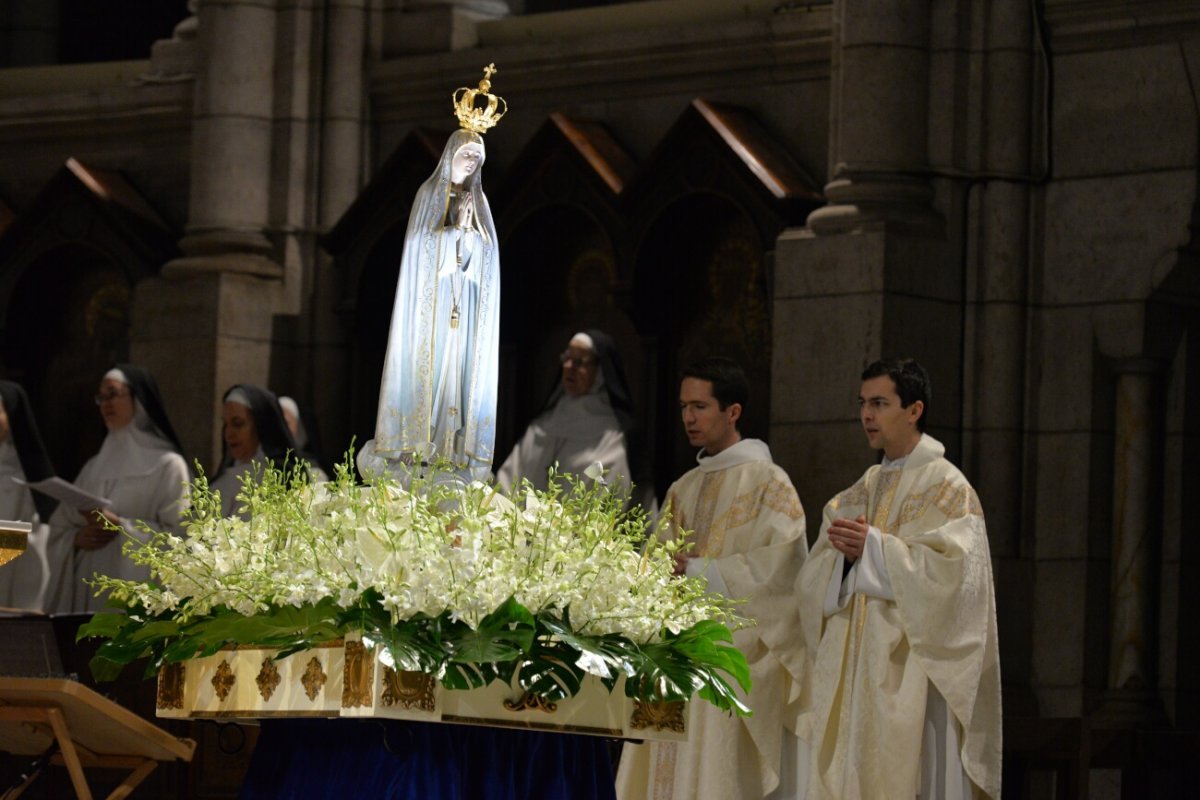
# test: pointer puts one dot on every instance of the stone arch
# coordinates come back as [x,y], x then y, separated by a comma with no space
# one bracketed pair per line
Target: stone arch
[703,291]
[1172,340]
[706,210]
[560,223]
[68,266]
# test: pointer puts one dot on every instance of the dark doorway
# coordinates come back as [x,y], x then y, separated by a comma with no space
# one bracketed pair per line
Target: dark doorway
[701,290]
[67,322]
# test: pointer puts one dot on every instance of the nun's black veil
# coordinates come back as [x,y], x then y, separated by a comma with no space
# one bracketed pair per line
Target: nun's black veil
[35,463]
[273,434]
[617,387]
[145,389]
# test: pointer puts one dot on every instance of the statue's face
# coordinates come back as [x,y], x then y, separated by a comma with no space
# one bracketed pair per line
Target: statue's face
[465,162]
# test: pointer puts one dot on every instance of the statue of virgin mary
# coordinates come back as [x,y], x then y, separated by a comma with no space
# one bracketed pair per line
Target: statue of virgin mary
[437,399]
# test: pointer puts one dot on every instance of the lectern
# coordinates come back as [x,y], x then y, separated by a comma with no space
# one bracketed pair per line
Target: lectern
[89,730]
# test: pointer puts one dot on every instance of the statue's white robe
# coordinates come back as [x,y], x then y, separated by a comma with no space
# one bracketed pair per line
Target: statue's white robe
[901,691]
[440,371]
[750,542]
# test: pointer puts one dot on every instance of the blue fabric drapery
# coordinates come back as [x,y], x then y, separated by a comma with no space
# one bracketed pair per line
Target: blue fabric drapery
[394,760]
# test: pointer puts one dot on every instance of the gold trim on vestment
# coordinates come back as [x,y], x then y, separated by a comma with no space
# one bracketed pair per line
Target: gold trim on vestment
[706,506]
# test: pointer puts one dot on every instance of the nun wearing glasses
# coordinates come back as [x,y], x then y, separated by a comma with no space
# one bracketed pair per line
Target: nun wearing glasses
[140,470]
[587,419]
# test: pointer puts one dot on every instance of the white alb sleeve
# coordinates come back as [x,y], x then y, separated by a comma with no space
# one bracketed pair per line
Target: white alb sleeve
[872,579]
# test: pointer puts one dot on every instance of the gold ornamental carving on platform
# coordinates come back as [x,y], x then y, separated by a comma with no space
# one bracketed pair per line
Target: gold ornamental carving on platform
[660,715]
[313,679]
[223,680]
[268,678]
[531,702]
[408,689]
[358,676]
[170,685]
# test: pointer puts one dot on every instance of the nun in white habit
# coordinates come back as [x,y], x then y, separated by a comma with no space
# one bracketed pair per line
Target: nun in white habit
[588,418]
[25,581]
[140,469]
[255,435]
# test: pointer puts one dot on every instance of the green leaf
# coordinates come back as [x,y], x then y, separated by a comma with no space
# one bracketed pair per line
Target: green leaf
[104,670]
[462,676]
[549,673]
[103,626]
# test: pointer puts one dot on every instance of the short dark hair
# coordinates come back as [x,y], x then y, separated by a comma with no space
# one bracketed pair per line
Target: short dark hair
[728,379]
[911,379]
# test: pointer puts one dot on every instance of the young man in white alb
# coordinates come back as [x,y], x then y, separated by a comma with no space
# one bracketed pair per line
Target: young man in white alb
[902,682]
[749,543]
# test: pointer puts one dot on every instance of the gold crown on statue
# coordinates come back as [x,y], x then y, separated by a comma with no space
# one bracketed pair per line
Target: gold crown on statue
[476,119]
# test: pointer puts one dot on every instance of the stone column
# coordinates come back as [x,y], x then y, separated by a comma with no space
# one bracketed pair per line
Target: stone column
[231,141]
[879,107]
[872,274]
[1131,697]
[435,26]
[323,368]
[217,303]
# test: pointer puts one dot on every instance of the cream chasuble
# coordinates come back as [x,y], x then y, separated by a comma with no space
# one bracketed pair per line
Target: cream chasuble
[750,538]
[871,662]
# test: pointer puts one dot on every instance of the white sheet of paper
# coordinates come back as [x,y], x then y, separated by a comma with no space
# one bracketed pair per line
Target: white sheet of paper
[67,492]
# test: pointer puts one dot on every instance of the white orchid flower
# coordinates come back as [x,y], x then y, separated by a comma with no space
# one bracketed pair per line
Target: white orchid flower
[595,472]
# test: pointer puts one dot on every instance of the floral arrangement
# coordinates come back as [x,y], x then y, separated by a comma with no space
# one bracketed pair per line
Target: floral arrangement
[457,581]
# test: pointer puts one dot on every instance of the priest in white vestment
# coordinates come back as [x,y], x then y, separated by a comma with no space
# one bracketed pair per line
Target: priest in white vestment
[25,582]
[588,419]
[140,469]
[749,544]
[901,691]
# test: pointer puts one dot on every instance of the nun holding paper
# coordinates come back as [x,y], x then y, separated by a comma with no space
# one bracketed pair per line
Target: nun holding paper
[140,470]
[25,581]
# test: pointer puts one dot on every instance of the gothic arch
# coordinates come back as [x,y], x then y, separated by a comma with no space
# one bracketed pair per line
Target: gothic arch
[707,207]
[68,266]
[560,223]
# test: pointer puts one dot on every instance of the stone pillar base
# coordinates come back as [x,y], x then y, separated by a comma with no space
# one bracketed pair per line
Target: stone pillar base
[223,322]
[861,202]
[239,263]
[1129,708]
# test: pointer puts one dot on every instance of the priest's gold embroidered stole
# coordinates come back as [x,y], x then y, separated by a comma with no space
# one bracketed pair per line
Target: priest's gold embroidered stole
[878,510]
